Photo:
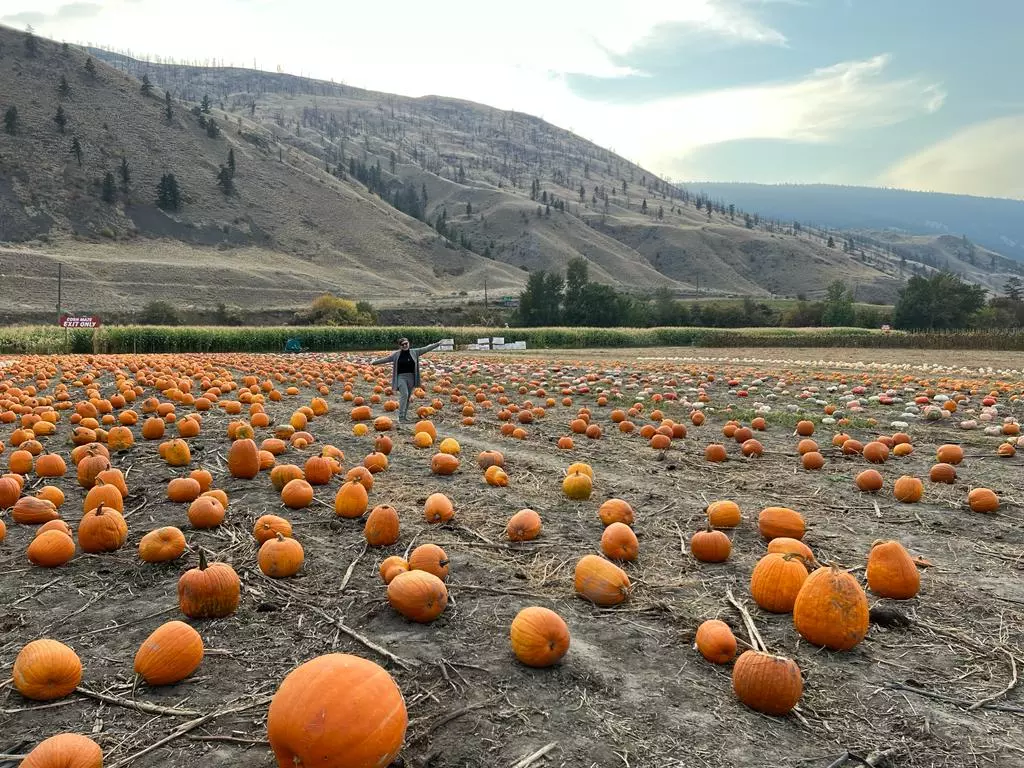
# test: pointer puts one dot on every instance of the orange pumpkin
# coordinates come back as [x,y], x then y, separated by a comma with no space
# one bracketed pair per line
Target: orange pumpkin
[891,571]
[45,670]
[776,581]
[831,609]
[766,683]
[162,545]
[170,654]
[780,521]
[244,459]
[539,636]
[418,595]
[524,525]
[716,642]
[600,581]
[438,508]
[382,526]
[210,591]
[65,750]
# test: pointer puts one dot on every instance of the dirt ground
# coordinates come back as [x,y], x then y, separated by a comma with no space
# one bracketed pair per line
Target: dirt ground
[631,691]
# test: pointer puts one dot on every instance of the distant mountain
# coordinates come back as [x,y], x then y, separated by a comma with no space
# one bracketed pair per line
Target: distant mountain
[995,223]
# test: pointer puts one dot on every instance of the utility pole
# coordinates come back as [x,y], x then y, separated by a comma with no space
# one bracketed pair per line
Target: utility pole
[60,281]
[485,290]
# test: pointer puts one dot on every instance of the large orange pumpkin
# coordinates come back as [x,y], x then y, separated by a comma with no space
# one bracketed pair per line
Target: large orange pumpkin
[780,521]
[766,683]
[831,609]
[524,525]
[418,595]
[337,711]
[171,653]
[716,642]
[162,545]
[210,591]
[600,581]
[45,670]
[891,572]
[65,750]
[244,459]
[351,500]
[382,526]
[539,636]
[776,581]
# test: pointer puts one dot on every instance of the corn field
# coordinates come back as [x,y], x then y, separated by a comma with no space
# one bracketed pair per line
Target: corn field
[159,339]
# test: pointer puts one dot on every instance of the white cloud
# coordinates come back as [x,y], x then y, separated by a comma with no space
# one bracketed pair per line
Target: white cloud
[984,159]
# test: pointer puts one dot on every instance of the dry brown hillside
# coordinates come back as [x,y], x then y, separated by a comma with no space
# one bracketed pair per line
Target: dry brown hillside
[515,194]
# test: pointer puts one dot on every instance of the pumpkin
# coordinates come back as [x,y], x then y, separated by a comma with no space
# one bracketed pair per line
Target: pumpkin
[430,558]
[51,465]
[876,452]
[891,571]
[616,511]
[983,500]
[3,531]
[318,470]
[869,481]
[210,591]
[715,452]
[539,636]
[723,514]
[784,544]
[618,542]
[337,711]
[776,581]
[524,525]
[102,530]
[908,489]
[488,459]
[580,466]
[20,462]
[812,460]
[949,454]
[766,683]
[51,549]
[176,453]
[219,495]
[710,546]
[170,654]
[46,670]
[383,444]
[831,609]
[297,494]
[600,581]
[205,512]
[578,486]
[806,446]
[183,490]
[496,476]
[55,525]
[203,477]
[282,474]
[115,478]
[65,750]
[382,526]
[162,545]
[942,473]
[244,459]
[375,462]
[391,567]
[52,494]
[89,467]
[29,510]
[268,526]
[120,439]
[422,440]
[438,508]
[361,475]
[805,428]
[780,521]
[10,490]
[443,464]
[418,595]
[716,642]
[280,557]
[105,494]
[351,500]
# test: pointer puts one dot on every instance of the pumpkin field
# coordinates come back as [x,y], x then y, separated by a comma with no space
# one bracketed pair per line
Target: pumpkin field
[562,560]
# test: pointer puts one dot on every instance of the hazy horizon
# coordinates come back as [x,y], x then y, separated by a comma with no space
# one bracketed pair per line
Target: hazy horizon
[918,96]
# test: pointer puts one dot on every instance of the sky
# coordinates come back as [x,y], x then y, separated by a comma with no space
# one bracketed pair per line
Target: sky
[919,94]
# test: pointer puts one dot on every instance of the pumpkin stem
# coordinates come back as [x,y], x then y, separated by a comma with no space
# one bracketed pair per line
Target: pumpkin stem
[279,536]
[202,559]
[99,509]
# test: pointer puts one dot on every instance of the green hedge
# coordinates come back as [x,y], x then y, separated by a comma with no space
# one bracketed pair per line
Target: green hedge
[147,339]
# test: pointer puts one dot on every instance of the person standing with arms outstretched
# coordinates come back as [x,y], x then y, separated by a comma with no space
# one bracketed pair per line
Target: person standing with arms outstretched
[405,372]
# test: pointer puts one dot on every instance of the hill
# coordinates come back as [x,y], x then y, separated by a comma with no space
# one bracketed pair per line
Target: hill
[994,223]
[395,200]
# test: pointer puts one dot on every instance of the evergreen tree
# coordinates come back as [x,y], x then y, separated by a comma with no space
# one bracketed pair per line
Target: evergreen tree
[31,42]
[393,162]
[64,49]
[469,209]
[1014,289]
[831,242]
[583,193]
[168,113]
[643,206]
[576,278]
[838,309]
[732,212]
[11,120]
[747,221]
[205,104]
[64,88]
[126,174]
[168,194]
[212,129]
[661,212]
[76,150]
[939,302]
[109,193]
[90,68]
[60,119]
[231,160]
[423,198]
[147,87]
[225,180]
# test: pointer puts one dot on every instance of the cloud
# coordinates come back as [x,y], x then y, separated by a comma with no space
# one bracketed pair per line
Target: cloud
[982,159]
[25,17]
[824,106]
[78,11]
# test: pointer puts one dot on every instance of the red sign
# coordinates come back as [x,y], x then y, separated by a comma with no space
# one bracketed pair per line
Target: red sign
[70,321]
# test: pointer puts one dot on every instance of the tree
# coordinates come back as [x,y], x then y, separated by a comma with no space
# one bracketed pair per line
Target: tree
[212,129]
[747,221]
[643,206]
[205,104]
[469,209]
[11,120]
[329,309]
[838,305]
[583,193]
[539,303]
[231,160]
[60,119]
[158,313]
[831,242]
[168,194]
[109,193]
[90,68]
[1014,289]
[940,302]
[147,87]
[393,162]
[126,174]
[576,278]
[666,309]
[225,180]
[31,42]
[64,88]
[168,113]
[76,150]
[732,212]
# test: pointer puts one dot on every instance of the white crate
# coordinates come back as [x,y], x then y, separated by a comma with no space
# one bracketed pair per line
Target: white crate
[483,342]
[498,341]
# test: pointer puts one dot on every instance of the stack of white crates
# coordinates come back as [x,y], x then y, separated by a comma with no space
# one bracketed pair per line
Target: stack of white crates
[496,343]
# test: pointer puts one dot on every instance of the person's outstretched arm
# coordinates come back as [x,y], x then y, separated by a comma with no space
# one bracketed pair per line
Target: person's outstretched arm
[381,361]
[428,348]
